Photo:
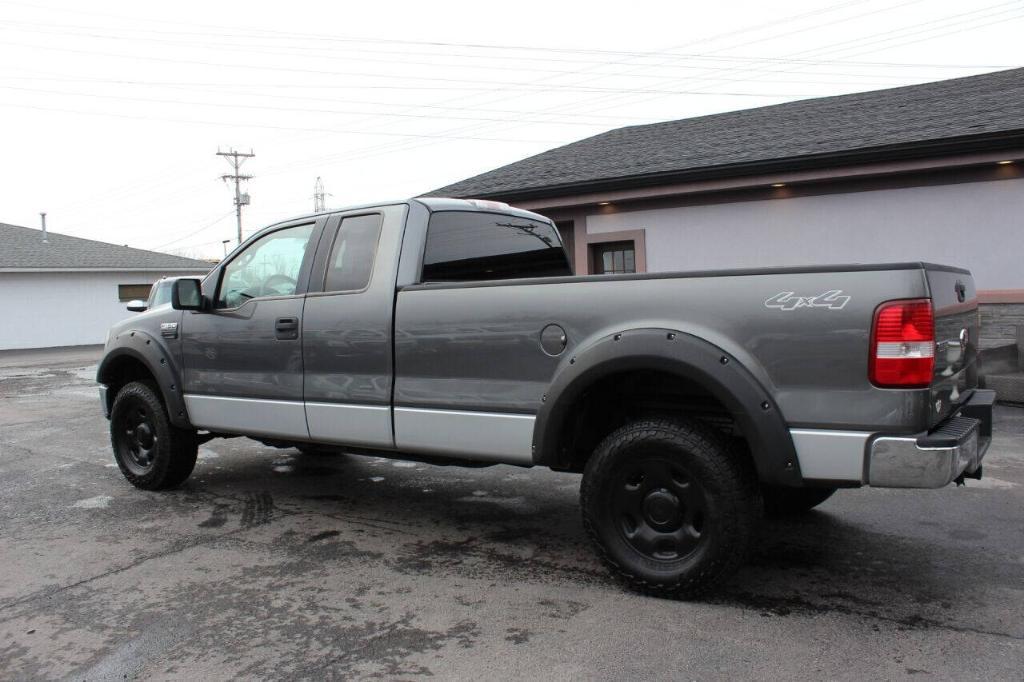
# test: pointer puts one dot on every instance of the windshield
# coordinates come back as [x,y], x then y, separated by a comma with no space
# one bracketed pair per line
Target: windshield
[160,293]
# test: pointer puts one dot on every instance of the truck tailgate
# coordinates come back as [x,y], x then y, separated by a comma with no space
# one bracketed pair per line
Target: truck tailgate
[957,331]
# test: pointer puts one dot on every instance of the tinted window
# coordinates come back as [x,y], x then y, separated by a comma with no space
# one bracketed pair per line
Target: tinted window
[131,292]
[267,267]
[353,254]
[465,246]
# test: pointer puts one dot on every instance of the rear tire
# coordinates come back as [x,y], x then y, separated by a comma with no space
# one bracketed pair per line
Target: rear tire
[671,508]
[152,453]
[780,501]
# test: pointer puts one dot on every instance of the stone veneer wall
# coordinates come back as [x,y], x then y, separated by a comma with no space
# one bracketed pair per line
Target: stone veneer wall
[999,323]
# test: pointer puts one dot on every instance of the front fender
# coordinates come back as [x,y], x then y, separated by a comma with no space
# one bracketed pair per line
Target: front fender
[688,357]
[151,353]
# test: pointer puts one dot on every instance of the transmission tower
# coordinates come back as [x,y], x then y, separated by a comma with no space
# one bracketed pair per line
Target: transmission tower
[319,196]
[236,159]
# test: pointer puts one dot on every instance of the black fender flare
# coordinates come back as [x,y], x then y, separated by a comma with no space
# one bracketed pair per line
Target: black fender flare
[686,356]
[156,357]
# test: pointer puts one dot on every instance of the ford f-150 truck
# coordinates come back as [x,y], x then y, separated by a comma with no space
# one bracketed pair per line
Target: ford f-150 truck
[452,331]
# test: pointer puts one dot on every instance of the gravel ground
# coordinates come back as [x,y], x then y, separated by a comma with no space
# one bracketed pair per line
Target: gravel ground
[269,563]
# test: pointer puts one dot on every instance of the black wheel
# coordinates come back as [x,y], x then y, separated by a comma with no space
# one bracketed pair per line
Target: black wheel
[779,501]
[152,453]
[670,507]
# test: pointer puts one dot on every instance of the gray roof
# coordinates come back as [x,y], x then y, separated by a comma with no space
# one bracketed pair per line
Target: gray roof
[894,123]
[22,248]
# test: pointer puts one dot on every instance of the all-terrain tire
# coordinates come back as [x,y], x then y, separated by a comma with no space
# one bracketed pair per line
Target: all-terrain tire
[780,501]
[671,508]
[152,453]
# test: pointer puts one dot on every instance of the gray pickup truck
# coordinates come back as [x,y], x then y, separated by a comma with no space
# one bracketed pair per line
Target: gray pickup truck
[453,332]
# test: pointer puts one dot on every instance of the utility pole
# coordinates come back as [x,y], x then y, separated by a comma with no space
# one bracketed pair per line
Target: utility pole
[319,196]
[236,159]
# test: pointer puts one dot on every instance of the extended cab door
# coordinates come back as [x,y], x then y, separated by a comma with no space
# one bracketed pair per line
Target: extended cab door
[470,365]
[347,328]
[243,357]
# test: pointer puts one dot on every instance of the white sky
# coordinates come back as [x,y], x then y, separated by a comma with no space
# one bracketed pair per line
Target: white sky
[112,111]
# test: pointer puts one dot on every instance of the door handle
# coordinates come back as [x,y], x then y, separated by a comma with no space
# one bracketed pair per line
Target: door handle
[287,328]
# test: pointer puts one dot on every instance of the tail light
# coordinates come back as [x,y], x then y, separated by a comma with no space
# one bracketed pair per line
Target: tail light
[903,344]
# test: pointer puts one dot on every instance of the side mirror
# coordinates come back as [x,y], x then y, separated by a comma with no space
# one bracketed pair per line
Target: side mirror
[187,294]
[136,306]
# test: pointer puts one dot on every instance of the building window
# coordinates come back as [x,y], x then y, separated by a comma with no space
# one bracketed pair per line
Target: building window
[132,292]
[614,258]
[473,246]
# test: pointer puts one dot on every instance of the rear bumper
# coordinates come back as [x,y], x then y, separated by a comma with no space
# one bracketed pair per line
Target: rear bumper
[937,458]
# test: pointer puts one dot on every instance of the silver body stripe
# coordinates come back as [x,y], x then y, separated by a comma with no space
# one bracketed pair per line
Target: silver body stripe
[831,455]
[248,416]
[484,436]
[364,425]
[480,436]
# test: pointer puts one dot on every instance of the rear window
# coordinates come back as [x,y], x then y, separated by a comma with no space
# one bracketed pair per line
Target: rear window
[466,246]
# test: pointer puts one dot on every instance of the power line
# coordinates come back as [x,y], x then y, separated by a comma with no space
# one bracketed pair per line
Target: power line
[111,35]
[192,234]
[310,110]
[476,59]
[489,85]
[204,87]
[390,148]
[589,103]
[271,127]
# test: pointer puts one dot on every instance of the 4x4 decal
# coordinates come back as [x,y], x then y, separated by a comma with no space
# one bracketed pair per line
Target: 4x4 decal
[786,300]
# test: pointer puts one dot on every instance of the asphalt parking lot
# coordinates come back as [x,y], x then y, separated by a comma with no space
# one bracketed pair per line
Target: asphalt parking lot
[269,563]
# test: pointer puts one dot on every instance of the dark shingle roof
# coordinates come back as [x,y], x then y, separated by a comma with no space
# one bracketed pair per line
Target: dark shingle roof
[968,109]
[23,248]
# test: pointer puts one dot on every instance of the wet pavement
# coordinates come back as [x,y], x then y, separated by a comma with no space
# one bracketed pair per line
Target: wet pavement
[269,563]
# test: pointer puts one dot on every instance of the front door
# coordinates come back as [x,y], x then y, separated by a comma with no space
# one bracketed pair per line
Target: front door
[243,357]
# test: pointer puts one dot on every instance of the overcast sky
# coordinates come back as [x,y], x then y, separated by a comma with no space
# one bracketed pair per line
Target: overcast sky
[113,111]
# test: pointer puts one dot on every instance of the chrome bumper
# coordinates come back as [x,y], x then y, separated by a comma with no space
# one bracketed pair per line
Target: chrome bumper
[103,401]
[935,459]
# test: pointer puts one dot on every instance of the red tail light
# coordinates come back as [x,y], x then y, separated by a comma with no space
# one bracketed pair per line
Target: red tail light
[903,344]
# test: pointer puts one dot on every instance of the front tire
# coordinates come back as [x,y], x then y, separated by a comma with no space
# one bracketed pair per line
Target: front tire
[671,508]
[152,453]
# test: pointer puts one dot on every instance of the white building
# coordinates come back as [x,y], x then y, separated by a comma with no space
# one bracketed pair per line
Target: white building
[931,172]
[67,291]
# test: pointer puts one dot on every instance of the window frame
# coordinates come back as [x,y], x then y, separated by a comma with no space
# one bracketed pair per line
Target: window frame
[598,249]
[420,279]
[329,251]
[120,296]
[301,283]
